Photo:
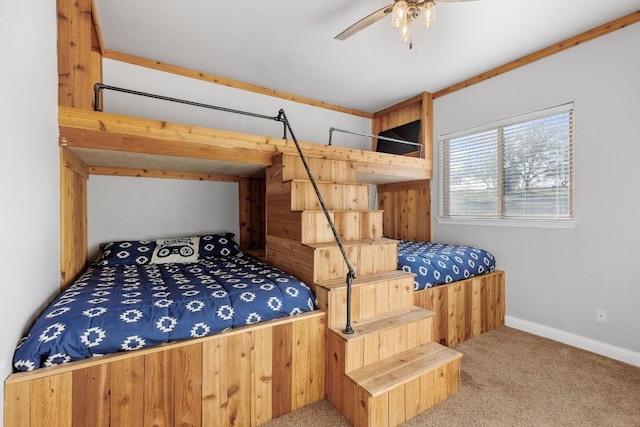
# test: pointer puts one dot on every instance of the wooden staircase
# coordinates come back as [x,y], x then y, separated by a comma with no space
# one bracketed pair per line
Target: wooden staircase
[388,370]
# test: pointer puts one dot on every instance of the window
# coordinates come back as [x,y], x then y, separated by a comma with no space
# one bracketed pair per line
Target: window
[520,168]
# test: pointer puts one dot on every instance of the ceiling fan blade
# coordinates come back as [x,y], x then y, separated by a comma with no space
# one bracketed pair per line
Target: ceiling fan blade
[365,22]
[452,1]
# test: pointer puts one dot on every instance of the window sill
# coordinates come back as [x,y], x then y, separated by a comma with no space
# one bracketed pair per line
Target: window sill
[494,222]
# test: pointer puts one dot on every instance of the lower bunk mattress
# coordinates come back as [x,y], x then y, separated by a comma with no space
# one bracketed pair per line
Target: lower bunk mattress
[438,263]
[129,306]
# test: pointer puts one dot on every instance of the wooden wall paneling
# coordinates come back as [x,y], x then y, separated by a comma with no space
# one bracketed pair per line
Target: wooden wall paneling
[406,210]
[252,194]
[73,217]
[426,128]
[416,108]
[75,88]
[466,308]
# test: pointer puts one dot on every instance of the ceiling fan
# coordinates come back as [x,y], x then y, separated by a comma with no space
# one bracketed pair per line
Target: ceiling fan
[403,13]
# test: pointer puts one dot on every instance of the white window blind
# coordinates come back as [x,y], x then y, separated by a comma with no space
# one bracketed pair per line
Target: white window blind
[518,168]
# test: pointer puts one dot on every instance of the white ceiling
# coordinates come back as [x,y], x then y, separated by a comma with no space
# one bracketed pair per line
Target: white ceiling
[289,45]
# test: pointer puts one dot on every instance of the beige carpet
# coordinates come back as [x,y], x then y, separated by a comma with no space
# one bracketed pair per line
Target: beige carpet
[511,378]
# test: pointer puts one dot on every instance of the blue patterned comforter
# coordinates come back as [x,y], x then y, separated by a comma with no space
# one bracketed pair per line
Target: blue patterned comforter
[128,307]
[436,263]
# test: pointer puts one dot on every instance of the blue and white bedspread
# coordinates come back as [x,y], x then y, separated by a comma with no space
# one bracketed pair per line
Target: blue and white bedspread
[437,263]
[127,307]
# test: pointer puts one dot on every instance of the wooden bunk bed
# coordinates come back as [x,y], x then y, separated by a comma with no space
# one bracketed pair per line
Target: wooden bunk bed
[252,374]
[245,376]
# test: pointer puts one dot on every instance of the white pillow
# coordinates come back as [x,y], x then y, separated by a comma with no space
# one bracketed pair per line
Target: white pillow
[183,249]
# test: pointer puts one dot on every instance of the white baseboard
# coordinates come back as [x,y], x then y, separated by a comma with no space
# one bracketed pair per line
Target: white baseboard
[603,349]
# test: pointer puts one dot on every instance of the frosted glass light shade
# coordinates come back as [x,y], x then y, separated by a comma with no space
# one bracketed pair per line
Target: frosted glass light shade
[399,13]
[428,14]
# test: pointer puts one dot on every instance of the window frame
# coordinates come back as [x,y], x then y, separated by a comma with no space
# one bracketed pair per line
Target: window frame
[499,218]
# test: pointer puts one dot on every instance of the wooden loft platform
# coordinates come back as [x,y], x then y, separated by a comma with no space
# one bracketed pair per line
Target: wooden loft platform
[111,144]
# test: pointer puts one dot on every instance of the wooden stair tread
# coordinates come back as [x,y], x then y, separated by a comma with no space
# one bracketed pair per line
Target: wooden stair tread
[351,243]
[388,373]
[365,279]
[387,320]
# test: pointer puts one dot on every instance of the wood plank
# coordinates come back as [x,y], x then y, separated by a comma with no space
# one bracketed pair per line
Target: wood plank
[413,398]
[91,398]
[282,374]
[399,369]
[157,173]
[262,377]
[388,320]
[158,389]
[239,379]
[396,406]
[301,358]
[75,88]
[127,392]
[187,375]
[73,219]
[17,404]
[215,382]
[53,405]
[317,344]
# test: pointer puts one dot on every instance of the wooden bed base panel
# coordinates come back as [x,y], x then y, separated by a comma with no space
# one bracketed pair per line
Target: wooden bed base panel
[244,377]
[466,308]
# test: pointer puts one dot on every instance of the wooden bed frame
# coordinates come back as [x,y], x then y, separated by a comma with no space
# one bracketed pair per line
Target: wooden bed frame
[244,377]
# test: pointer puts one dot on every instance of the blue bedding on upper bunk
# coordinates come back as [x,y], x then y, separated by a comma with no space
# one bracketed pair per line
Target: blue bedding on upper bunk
[128,306]
[437,263]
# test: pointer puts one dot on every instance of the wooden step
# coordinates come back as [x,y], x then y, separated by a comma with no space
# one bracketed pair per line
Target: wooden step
[369,256]
[322,169]
[371,295]
[384,336]
[384,321]
[312,226]
[336,284]
[383,376]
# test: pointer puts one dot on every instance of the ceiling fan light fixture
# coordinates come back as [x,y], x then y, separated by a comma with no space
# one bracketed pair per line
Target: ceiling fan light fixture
[427,14]
[399,16]
[404,32]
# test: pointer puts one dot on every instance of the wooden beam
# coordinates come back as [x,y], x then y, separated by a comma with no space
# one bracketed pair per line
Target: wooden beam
[75,88]
[73,217]
[607,28]
[174,69]
[152,173]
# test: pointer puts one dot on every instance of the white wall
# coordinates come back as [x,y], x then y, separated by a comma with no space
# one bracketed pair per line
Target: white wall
[146,208]
[29,174]
[556,278]
[310,124]
[132,208]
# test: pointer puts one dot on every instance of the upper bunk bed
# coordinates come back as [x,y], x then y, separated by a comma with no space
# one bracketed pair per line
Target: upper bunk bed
[115,144]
